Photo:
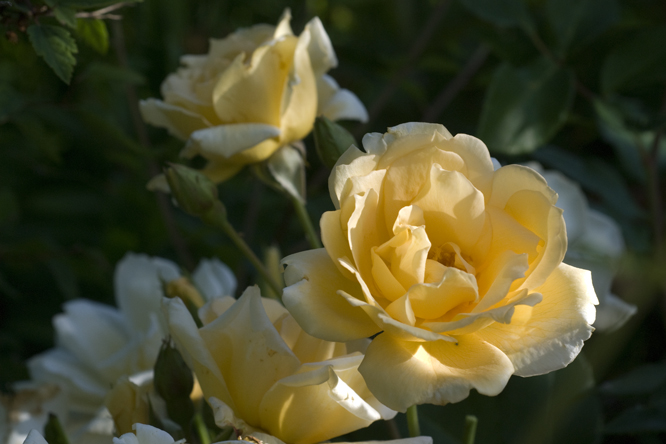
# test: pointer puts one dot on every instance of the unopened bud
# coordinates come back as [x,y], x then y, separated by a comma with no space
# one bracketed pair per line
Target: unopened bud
[194,192]
[173,378]
[331,140]
[53,431]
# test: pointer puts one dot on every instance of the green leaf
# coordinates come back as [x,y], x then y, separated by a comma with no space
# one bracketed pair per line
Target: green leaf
[639,419]
[65,15]
[94,33]
[642,380]
[642,55]
[524,107]
[577,21]
[56,46]
[626,142]
[503,13]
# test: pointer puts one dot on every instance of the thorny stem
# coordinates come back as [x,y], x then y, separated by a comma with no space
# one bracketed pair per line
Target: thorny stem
[413,421]
[176,239]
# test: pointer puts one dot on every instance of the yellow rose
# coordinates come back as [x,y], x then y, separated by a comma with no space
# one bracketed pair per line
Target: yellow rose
[457,264]
[255,91]
[265,376]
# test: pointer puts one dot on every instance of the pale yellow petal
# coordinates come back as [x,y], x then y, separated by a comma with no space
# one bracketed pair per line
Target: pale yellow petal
[299,100]
[317,404]
[228,140]
[386,283]
[435,372]
[452,207]
[549,335]
[365,230]
[495,281]
[509,235]
[214,308]
[185,334]
[334,238]
[283,28]
[467,322]
[476,157]
[219,170]
[352,163]
[253,93]
[180,122]
[249,352]
[408,174]
[322,54]
[343,105]
[401,310]
[513,178]
[307,348]
[430,301]
[311,296]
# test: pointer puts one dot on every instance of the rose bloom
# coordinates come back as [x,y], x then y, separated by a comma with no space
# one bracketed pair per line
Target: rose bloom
[459,266]
[595,243]
[269,379]
[144,434]
[255,91]
[96,344]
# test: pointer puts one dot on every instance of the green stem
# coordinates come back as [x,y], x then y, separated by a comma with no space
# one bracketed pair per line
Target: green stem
[470,429]
[306,223]
[413,422]
[217,218]
[202,430]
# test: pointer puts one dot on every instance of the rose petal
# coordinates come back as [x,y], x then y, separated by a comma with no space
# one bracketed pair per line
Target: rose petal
[452,207]
[320,48]
[365,230]
[613,313]
[549,335]
[343,105]
[138,282]
[253,92]
[185,334]
[352,163]
[311,296]
[298,110]
[408,174]
[435,372]
[316,404]
[179,121]
[229,140]
[249,352]
[214,279]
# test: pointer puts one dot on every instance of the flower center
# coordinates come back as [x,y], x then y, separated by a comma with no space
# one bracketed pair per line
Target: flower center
[449,255]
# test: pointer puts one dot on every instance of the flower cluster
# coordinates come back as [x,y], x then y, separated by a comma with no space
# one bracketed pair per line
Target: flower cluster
[441,272]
